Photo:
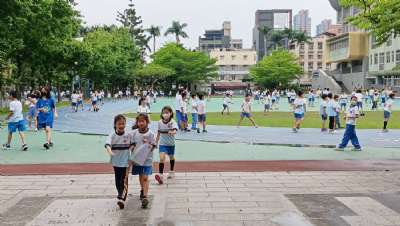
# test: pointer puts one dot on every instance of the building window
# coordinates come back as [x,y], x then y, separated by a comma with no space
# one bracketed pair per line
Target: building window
[245,57]
[376,58]
[222,57]
[311,46]
[320,45]
[319,57]
[389,41]
[310,57]
[302,46]
[381,58]
[310,66]
[301,57]
[393,56]
[370,59]
[319,65]
[233,57]
[398,56]
[387,57]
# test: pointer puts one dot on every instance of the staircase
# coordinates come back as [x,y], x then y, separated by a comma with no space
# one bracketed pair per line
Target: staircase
[326,81]
[340,83]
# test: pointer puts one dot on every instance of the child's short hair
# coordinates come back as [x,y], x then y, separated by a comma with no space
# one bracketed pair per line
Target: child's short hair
[193,95]
[167,108]
[248,95]
[201,96]
[324,96]
[335,97]
[300,93]
[118,118]
[392,95]
[141,100]
[353,97]
[330,95]
[13,94]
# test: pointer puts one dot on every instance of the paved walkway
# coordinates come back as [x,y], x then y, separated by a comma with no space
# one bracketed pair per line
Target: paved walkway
[265,198]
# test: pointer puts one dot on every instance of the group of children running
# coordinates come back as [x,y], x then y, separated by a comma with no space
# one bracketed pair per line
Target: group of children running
[41,114]
[132,152]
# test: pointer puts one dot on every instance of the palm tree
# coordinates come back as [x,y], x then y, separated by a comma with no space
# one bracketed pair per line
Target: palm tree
[154,32]
[299,37]
[177,30]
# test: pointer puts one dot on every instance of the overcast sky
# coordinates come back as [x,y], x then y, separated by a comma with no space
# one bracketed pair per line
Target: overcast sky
[201,14]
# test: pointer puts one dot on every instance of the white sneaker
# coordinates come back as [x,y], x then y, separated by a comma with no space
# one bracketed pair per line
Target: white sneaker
[171,175]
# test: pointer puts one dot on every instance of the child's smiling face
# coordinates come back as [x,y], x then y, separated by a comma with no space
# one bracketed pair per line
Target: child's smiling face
[142,124]
[120,126]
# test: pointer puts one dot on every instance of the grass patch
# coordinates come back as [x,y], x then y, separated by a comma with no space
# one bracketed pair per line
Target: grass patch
[372,120]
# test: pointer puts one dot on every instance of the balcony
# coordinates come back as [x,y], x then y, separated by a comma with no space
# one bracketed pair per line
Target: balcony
[347,47]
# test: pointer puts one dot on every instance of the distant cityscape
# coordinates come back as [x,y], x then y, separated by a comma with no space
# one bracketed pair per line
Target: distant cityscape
[339,56]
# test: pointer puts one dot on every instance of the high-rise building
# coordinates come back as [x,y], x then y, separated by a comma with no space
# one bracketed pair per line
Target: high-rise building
[274,19]
[342,15]
[216,39]
[324,26]
[302,22]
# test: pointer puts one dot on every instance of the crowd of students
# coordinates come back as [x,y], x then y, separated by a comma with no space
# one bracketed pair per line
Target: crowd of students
[41,114]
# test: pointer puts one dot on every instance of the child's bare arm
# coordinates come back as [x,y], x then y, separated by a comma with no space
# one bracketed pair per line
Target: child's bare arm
[109,151]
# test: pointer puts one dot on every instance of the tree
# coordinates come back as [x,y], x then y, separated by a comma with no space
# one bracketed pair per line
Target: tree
[154,32]
[153,73]
[112,58]
[189,67]
[380,17]
[177,30]
[277,70]
[33,36]
[129,19]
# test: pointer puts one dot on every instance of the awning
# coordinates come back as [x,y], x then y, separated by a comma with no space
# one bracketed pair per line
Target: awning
[230,85]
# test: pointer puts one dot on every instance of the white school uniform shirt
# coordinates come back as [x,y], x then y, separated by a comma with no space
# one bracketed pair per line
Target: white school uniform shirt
[359,97]
[226,100]
[74,98]
[388,105]
[194,106]
[201,107]
[16,109]
[184,107]
[246,106]
[178,99]
[299,104]
[352,113]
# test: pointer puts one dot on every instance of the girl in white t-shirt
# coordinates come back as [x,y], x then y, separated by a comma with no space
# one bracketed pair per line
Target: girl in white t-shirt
[387,111]
[246,111]
[227,102]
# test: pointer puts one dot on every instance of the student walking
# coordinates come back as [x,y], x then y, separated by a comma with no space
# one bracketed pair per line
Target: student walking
[201,113]
[387,111]
[119,145]
[194,111]
[142,156]
[350,132]
[246,111]
[47,113]
[167,129]
[331,108]
[299,109]
[16,122]
[32,112]
[323,111]
[226,103]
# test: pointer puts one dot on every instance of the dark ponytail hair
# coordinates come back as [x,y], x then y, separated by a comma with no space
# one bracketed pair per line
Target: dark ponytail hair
[167,108]
[118,118]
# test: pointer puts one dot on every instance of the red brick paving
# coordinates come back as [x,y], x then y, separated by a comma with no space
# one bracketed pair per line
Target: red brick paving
[214,166]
